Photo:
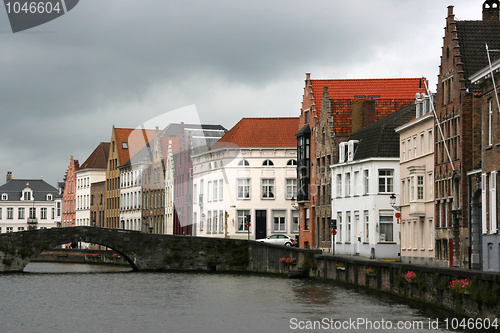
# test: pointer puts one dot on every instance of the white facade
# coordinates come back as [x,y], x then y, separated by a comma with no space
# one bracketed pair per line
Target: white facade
[131,197]
[230,184]
[27,209]
[366,223]
[84,178]
[417,187]
[169,190]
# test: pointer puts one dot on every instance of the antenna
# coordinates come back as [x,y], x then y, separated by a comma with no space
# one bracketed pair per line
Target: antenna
[492,76]
[439,126]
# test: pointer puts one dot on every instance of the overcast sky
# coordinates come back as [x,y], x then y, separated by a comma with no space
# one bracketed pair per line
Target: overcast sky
[64,84]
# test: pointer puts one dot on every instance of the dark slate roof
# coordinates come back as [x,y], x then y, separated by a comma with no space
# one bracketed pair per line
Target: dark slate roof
[379,139]
[472,37]
[40,188]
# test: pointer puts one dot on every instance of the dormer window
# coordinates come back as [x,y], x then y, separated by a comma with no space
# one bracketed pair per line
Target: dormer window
[27,194]
[124,145]
[49,197]
[5,197]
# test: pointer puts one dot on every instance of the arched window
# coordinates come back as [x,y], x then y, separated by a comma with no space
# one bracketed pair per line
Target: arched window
[5,197]
[268,163]
[49,197]
[244,163]
[291,163]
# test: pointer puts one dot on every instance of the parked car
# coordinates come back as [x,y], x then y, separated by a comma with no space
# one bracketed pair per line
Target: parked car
[280,240]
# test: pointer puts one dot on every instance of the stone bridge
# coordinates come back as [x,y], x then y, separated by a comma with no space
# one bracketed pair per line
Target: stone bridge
[144,251]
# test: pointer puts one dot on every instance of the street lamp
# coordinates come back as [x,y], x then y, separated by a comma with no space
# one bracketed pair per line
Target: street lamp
[392,201]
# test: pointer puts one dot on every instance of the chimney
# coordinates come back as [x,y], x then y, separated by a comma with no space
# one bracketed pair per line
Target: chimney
[450,11]
[490,10]
[9,176]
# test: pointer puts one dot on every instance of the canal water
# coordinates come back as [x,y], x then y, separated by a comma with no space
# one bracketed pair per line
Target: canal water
[90,298]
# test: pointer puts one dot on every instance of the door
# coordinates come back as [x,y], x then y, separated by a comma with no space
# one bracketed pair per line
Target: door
[260,224]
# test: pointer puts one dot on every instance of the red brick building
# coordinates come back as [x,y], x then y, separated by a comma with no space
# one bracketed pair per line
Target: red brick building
[69,196]
[458,148]
[331,110]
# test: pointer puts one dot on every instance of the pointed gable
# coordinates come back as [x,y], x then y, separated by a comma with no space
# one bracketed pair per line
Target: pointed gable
[99,157]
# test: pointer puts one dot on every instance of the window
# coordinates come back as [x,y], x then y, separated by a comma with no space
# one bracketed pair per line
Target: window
[422,143]
[268,163]
[10,213]
[10,229]
[430,141]
[195,193]
[244,163]
[348,184]
[32,213]
[243,189]
[490,122]
[367,225]
[209,222]
[349,227]
[291,163]
[242,226]
[306,220]
[493,203]
[366,181]
[53,212]
[0,213]
[43,213]
[221,189]
[215,222]
[5,197]
[385,181]
[295,221]
[267,188]
[20,228]
[20,213]
[339,185]
[291,188]
[216,186]
[209,194]
[279,221]
[221,222]
[414,146]
[420,187]
[339,226]
[26,195]
[386,228]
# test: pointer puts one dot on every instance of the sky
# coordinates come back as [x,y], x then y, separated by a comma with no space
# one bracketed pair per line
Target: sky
[124,63]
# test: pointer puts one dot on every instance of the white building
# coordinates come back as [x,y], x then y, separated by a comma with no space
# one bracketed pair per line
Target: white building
[250,171]
[27,204]
[417,185]
[93,170]
[363,180]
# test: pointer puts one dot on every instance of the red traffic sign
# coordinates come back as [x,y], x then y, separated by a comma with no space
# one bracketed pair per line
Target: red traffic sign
[398,215]
[249,224]
[334,232]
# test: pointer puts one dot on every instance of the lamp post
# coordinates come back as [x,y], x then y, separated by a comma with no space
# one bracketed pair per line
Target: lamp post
[392,201]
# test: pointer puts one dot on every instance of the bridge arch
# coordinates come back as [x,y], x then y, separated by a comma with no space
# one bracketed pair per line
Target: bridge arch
[143,251]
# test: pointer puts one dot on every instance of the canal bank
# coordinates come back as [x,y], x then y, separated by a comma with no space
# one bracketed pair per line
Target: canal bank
[463,292]
[81,256]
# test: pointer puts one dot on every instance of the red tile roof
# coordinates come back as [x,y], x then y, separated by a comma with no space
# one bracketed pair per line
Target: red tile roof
[136,140]
[261,132]
[367,88]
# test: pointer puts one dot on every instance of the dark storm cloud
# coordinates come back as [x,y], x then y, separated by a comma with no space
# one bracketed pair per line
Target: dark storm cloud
[117,62]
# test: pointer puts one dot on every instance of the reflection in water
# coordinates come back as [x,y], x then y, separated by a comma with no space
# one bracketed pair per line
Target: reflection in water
[178,302]
[46,267]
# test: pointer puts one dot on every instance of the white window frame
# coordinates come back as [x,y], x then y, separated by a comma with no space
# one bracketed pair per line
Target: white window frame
[291,188]
[268,187]
[279,221]
[243,189]
[387,178]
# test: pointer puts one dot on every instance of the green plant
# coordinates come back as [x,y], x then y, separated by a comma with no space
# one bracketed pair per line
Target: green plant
[459,286]
[7,261]
[309,263]
[370,272]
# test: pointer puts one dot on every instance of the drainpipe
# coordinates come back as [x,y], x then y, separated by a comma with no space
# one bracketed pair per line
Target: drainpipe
[469,222]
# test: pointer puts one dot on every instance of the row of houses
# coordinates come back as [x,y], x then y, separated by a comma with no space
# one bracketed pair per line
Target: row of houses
[380,168]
